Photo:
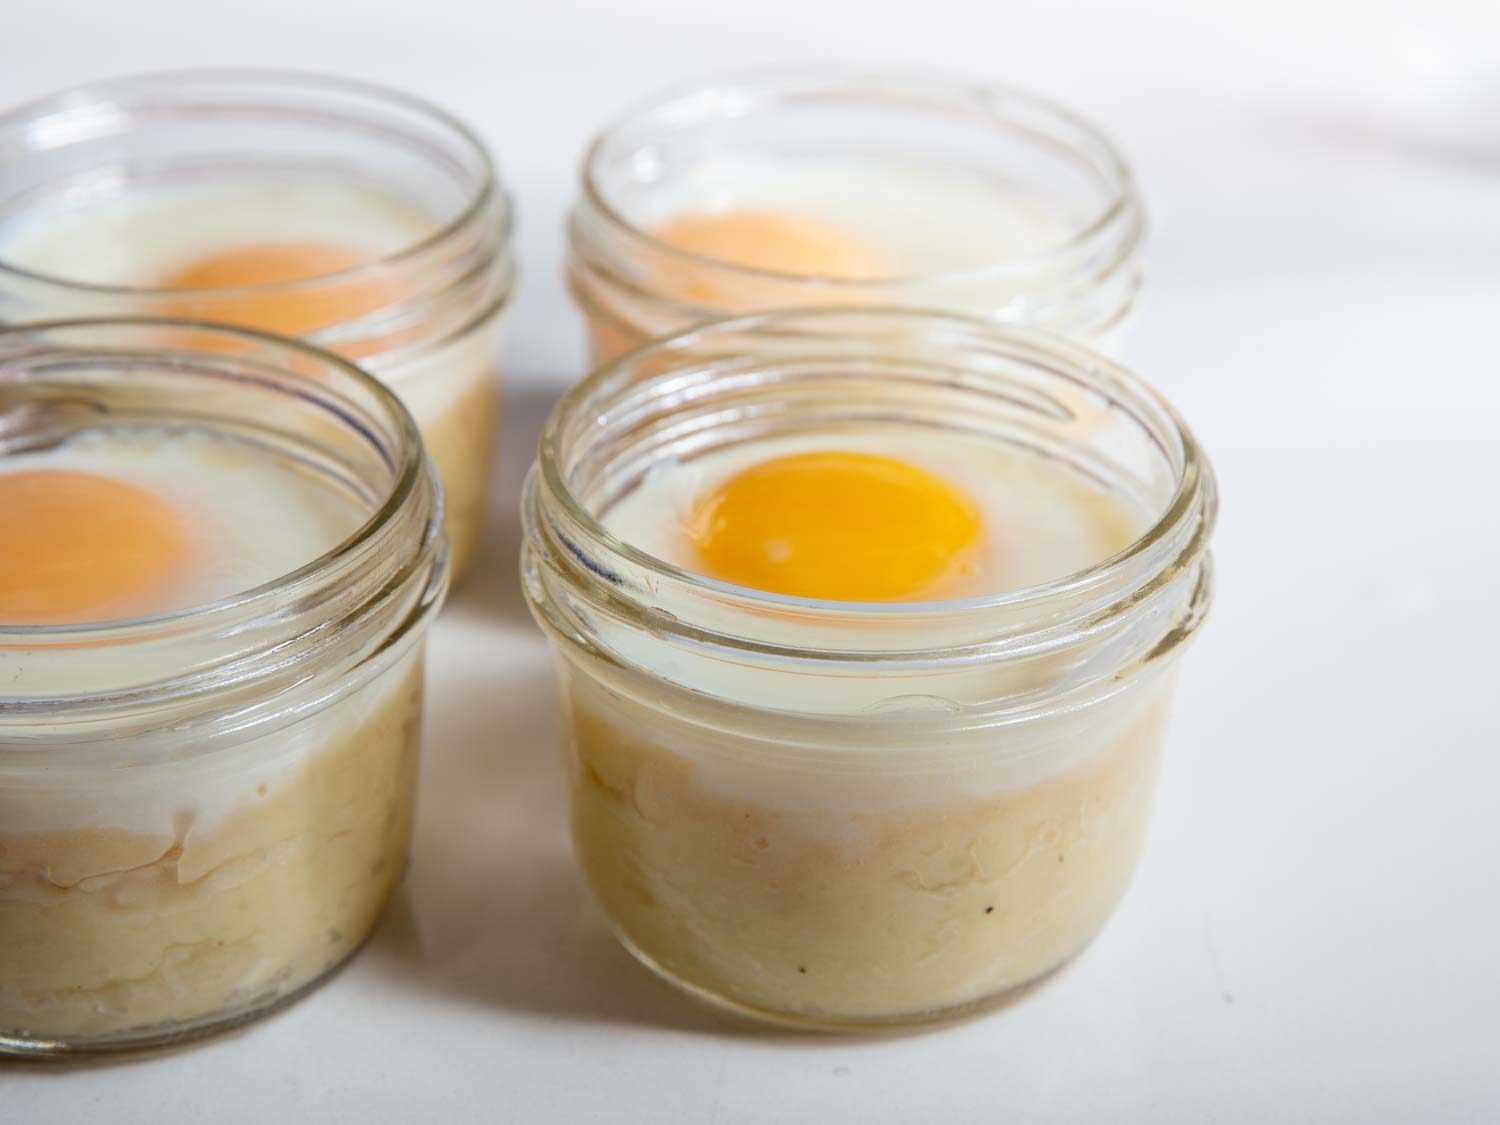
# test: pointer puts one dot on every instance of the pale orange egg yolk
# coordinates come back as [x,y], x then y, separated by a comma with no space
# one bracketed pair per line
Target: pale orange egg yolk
[841,526]
[78,547]
[774,241]
[289,311]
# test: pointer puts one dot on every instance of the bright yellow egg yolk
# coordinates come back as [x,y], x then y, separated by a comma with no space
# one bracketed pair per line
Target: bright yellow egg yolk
[774,241]
[80,547]
[837,525]
[290,310]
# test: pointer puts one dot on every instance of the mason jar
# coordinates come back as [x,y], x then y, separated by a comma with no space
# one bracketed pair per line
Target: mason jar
[359,218]
[838,814]
[926,192]
[204,811]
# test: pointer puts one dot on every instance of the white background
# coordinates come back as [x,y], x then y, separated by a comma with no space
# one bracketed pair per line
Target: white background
[1313,935]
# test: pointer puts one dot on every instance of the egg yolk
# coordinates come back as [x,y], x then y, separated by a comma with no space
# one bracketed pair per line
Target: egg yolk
[836,525]
[290,311]
[774,241]
[78,547]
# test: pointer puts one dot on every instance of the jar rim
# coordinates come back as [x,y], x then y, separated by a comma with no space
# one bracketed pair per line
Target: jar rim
[406,480]
[486,193]
[1194,493]
[1122,208]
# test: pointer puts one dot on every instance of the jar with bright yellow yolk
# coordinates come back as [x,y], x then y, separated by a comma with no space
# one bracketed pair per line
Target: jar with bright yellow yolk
[210,684]
[865,647]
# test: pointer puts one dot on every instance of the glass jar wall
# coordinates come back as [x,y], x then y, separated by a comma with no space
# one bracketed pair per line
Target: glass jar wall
[203,808]
[858,814]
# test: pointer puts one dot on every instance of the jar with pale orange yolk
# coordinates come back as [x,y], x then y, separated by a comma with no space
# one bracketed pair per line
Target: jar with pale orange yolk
[827,186]
[350,216]
[866,626]
[221,554]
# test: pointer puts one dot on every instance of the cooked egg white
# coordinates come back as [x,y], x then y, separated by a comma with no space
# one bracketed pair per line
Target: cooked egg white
[1032,521]
[150,238]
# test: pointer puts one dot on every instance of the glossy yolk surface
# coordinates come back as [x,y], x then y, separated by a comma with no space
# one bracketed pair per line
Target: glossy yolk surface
[774,241]
[80,547]
[837,525]
[291,310]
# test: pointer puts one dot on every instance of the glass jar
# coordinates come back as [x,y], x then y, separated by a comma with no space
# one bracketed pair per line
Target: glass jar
[845,815]
[1080,278]
[203,812]
[423,316]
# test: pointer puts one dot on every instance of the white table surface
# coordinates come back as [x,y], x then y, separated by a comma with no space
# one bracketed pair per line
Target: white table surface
[1313,934]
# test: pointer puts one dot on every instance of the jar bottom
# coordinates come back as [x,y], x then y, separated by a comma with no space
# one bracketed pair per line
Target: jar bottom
[177,1033]
[226,922]
[867,918]
[819,1024]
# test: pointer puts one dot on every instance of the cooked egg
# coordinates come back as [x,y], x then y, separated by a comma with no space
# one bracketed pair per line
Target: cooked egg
[255,232]
[878,517]
[846,218]
[124,523]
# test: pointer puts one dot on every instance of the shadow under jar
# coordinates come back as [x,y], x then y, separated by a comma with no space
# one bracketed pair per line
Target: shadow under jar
[203,810]
[360,219]
[794,187]
[861,814]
